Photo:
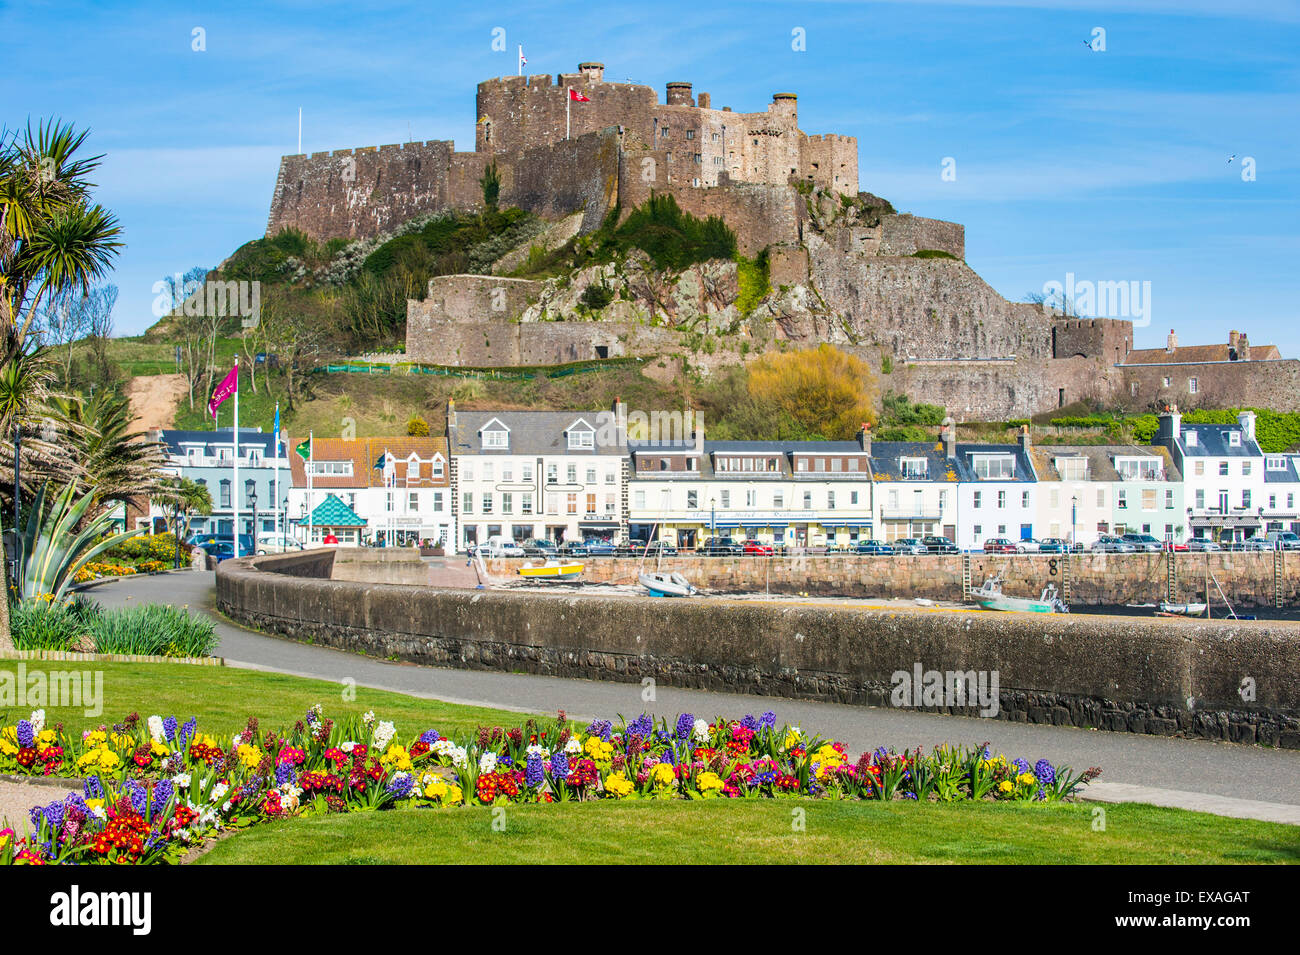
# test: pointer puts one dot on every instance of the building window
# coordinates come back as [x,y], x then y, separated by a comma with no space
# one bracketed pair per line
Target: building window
[751,498]
[778,500]
[507,502]
[571,503]
[1193,385]
[571,474]
[1223,469]
[467,503]
[830,500]
[979,499]
[1121,500]
[1198,468]
[489,473]
[438,467]
[1234,439]
[225,494]
[413,501]
[552,474]
[913,467]
[1024,498]
[437,500]
[1245,469]
[725,499]
[526,474]
[1149,500]
[1200,498]
[526,503]
[1002,499]
[1245,498]
[638,500]
[487,503]
[591,504]
[1169,498]
[993,466]
[692,499]
[496,439]
[807,500]
[1166,381]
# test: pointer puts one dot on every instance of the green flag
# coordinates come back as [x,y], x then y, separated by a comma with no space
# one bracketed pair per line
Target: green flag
[304,450]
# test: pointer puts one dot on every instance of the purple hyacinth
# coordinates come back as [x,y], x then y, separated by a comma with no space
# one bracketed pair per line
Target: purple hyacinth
[401,784]
[162,794]
[311,717]
[1022,766]
[93,788]
[559,765]
[533,774]
[1045,773]
[52,814]
[767,721]
[169,729]
[602,728]
[284,774]
[187,732]
[139,798]
[26,735]
[750,723]
[642,726]
[685,723]
[429,737]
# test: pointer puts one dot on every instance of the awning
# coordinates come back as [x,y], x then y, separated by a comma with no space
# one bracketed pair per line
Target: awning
[598,523]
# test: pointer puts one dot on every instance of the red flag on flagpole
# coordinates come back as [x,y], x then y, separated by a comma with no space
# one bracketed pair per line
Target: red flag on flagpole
[578,97]
[229,385]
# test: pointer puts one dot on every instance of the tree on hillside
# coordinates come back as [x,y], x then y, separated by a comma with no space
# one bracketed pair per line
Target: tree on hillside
[180,500]
[491,186]
[52,238]
[825,391]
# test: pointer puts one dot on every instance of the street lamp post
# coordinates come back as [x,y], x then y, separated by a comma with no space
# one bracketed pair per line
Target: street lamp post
[252,502]
[1074,521]
[301,522]
[713,521]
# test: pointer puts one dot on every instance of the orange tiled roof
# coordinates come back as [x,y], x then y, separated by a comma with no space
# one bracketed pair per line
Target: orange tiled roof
[363,452]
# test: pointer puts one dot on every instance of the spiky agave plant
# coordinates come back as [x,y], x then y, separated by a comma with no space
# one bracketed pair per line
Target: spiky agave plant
[51,548]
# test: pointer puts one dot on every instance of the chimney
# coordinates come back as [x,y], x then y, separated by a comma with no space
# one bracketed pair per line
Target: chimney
[679,94]
[697,432]
[704,100]
[1171,425]
[451,423]
[864,438]
[620,422]
[948,431]
[1232,339]
[1171,342]
[1243,347]
[1247,421]
[1023,438]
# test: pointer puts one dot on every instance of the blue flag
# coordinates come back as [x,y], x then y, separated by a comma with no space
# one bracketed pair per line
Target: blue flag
[276,429]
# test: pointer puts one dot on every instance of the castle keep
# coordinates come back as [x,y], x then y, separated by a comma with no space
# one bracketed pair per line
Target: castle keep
[844,267]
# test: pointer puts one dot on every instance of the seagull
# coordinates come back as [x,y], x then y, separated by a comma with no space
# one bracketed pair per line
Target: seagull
[1232,157]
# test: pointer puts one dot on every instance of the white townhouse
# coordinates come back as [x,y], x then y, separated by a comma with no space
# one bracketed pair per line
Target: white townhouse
[1281,492]
[799,494]
[996,491]
[914,490]
[559,475]
[392,491]
[1223,471]
[1087,491]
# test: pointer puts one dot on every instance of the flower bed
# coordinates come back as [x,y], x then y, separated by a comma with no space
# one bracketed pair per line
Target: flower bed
[155,789]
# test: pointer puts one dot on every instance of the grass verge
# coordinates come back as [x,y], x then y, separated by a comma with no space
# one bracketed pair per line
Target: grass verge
[762,832]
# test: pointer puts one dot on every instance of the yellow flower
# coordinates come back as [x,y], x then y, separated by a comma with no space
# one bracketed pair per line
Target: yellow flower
[598,749]
[792,738]
[122,741]
[158,749]
[453,797]
[618,784]
[46,737]
[7,748]
[398,757]
[250,756]
[663,775]
[1006,786]
[95,738]
[828,759]
[709,782]
[1027,779]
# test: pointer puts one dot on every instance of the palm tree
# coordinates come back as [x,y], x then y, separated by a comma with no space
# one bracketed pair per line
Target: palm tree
[51,239]
[120,465]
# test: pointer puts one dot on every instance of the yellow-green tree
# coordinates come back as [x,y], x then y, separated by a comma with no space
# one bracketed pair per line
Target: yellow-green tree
[825,392]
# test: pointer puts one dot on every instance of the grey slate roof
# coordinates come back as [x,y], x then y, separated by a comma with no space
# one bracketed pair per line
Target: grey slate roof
[1101,459]
[533,432]
[1212,442]
[210,440]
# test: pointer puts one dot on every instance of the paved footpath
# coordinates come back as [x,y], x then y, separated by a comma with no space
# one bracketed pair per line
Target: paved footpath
[1223,778]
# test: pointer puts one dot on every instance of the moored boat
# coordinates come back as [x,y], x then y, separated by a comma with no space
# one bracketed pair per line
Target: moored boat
[990,597]
[1182,610]
[667,585]
[551,570]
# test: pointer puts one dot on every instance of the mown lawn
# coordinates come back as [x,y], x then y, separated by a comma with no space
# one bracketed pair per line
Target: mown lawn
[224,697]
[763,832]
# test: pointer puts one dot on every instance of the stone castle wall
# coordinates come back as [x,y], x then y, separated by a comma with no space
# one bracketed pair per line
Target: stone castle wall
[1222,384]
[906,234]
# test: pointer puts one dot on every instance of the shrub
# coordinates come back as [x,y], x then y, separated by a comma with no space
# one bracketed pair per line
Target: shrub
[754,280]
[672,238]
[934,254]
[153,629]
[896,409]
[417,427]
[41,625]
[596,296]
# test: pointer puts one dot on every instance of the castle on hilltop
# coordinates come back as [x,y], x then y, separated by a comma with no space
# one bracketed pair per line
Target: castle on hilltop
[844,267]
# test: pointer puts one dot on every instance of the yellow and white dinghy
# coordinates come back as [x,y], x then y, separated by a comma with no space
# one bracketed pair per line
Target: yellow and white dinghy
[551,570]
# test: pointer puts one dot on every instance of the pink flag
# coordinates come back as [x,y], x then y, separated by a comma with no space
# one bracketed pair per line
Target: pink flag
[229,385]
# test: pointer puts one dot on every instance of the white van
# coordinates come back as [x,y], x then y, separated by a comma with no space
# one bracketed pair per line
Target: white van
[1283,540]
[498,545]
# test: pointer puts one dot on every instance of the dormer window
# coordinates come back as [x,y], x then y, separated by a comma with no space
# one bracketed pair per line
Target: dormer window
[1191,439]
[496,439]
[1072,469]
[993,467]
[438,466]
[913,467]
[1234,439]
[582,440]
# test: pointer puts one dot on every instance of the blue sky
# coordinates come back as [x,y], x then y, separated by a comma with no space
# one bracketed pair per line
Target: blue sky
[1109,165]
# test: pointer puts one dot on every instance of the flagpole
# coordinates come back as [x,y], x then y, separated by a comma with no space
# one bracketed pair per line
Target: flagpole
[521,59]
[234,464]
[568,99]
[275,502]
[311,450]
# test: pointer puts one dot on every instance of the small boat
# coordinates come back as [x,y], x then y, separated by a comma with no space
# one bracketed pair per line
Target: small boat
[551,570]
[1182,610]
[667,585]
[990,597]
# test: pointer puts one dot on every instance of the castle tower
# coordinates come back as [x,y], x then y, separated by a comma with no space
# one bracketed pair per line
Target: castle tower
[785,105]
[594,72]
[679,94]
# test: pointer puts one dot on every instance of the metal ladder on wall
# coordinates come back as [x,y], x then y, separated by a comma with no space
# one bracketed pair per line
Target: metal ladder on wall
[1065,578]
[1278,577]
[965,578]
[1171,576]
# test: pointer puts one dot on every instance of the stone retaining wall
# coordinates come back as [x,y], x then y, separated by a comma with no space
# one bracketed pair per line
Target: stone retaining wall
[1117,673]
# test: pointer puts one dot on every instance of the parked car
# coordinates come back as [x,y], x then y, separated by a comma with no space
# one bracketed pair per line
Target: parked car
[498,545]
[1027,545]
[999,545]
[1109,544]
[721,547]
[1284,540]
[1053,545]
[219,550]
[277,544]
[657,549]
[1143,542]
[539,547]
[939,545]
[1177,547]
[754,548]
[1202,544]
[871,548]
[599,547]
[910,545]
[573,549]
[247,545]
[1256,544]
